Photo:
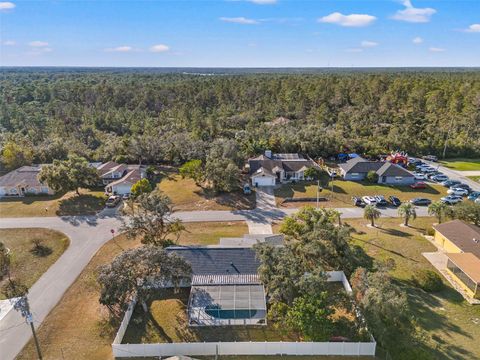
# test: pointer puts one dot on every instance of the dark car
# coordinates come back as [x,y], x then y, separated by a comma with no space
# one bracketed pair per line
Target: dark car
[381,202]
[449,183]
[395,201]
[463,186]
[358,202]
[421,201]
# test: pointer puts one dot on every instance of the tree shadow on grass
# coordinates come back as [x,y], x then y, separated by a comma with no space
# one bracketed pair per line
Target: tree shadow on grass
[84,204]
[41,251]
[371,243]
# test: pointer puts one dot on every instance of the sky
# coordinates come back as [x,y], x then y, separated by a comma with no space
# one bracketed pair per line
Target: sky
[240,33]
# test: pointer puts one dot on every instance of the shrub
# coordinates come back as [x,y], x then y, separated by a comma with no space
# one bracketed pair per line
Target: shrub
[430,231]
[372,177]
[428,280]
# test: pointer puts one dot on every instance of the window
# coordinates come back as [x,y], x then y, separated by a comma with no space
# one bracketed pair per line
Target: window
[354,174]
[398,178]
[462,276]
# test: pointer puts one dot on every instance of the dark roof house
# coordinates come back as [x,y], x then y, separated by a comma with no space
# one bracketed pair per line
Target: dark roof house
[388,173]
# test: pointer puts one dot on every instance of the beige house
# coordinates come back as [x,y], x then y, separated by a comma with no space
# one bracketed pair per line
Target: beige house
[23,181]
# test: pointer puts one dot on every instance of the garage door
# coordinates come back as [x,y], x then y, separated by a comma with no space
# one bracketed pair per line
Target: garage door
[263,181]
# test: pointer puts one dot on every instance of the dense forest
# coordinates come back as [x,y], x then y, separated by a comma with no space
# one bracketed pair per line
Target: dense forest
[171,118]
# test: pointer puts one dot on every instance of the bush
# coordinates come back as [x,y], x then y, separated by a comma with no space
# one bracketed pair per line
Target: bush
[428,280]
[430,231]
[372,177]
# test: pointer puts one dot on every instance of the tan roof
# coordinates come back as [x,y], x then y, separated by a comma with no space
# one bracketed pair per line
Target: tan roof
[465,236]
[24,176]
[130,178]
[107,167]
[468,263]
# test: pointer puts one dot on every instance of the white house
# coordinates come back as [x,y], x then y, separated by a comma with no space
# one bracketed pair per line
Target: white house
[23,181]
[133,173]
[270,169]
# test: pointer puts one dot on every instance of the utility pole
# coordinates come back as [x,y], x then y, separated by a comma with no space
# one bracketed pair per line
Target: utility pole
[318,191]
[24,308]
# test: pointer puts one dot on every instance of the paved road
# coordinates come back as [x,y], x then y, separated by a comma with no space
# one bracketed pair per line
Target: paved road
[456,175]
[87,234]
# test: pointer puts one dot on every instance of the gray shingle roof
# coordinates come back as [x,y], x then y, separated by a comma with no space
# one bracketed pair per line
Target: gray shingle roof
[218,261]
[287,162]
[360,165]
[25,175]
[389,169]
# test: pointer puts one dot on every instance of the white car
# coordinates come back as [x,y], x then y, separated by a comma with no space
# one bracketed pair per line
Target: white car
[369,200]
[457,191]
[451,199]
[477,200]
[419,176]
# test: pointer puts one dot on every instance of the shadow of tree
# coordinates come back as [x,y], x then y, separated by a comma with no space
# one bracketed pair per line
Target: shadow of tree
[84,204]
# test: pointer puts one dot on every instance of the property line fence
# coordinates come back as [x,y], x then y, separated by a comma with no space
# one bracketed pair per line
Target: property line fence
[242,348]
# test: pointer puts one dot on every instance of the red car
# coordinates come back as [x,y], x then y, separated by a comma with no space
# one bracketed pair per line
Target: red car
[418,185]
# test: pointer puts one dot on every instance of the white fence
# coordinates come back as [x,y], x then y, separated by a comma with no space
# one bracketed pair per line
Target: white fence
[245,348]
[242,348]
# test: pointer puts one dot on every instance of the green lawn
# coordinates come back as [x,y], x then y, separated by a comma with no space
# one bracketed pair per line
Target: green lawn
[87,203]
[186,195]
[27,265]
[462,164]
[209,233]
[448,323]
[344,190]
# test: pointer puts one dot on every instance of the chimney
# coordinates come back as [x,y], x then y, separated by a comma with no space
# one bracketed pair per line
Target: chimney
[268,153]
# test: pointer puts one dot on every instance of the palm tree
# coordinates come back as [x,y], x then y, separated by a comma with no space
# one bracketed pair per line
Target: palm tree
[407,211]
[371,213]
[438,209]
[336,215]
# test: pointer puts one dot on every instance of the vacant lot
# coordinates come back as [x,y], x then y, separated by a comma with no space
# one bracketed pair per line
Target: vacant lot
[29,263]
[186,195]
[342,193]
[87,203]
[209,233]
[449,323]
[88,336]
[462,164]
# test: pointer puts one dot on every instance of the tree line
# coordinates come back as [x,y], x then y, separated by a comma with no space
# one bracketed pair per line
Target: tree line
[174,118]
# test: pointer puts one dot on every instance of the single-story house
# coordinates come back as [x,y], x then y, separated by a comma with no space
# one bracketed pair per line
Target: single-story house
[23,181]
[225,288]
[111,171]
[356,169]
[271,169]
[123,185]
[461,242]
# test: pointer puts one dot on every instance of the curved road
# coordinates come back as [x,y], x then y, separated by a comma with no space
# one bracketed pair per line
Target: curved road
[87,234]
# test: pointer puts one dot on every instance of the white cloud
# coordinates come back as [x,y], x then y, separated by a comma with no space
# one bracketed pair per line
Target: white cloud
[436,49]
[9,43]
[122,49]
[159,48]
[474,28]
[352,20]
[239,20]
[354,50]
[413,14]
[38,44]
[368,44]
[6,5]
[417,40]
[263,2]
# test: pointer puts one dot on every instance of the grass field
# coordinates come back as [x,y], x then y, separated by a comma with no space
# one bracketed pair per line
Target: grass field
[462,164]
[475,178]
[342,193]
[87,203]
[27,265]
[186,196]
[449,324]
[88,336]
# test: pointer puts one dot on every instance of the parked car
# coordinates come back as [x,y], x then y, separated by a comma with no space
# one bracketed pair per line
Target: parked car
[457,191]
[463,186]
[112,201]
[430,158]
[449,183]
[126,196]
[451,199]
[474,195]
[369,200]
[440,178]
[418,185]
[477,200]
[419,176]
[247,190]
[421,201]
[380,201]
[432,174]
[357,201]
[428,170]
[395,201]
